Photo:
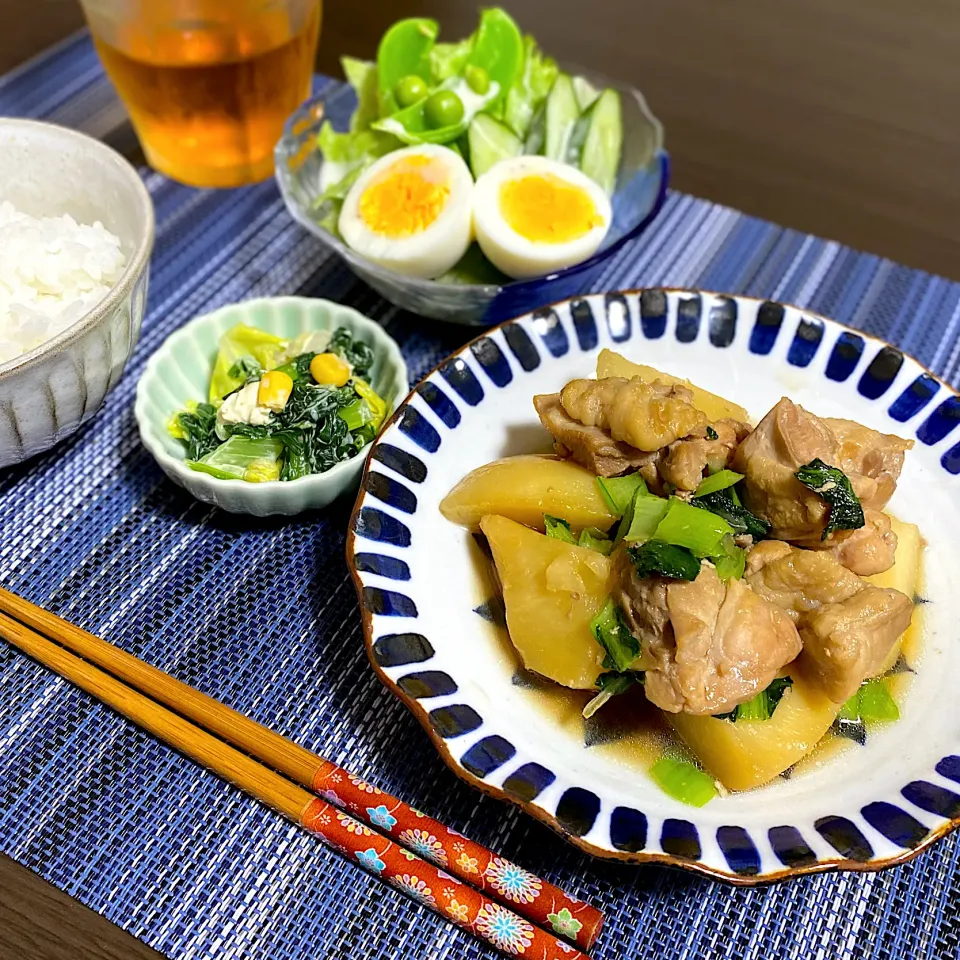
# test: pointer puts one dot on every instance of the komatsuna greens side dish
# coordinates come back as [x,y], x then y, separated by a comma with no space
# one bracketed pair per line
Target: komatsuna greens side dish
[281,410]
[485,139]
[744,582]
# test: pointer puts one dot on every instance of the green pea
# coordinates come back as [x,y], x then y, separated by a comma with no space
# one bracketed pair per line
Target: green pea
[478,80]
[443,109]
[410,90]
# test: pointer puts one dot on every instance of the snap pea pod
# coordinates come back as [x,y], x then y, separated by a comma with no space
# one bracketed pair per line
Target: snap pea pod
[414,125]
[404,51]
[498,48]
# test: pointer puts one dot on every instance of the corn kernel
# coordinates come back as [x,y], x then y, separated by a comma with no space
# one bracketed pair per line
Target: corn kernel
[274,390]
[329,369]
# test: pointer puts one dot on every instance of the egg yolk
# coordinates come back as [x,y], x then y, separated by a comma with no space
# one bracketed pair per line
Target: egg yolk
[406,199]
[544,208]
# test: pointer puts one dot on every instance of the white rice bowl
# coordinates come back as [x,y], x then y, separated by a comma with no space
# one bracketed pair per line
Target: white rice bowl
[53,270]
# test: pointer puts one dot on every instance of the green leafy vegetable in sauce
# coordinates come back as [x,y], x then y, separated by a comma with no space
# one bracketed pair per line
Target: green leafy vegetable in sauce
[872,703]
[558,529]
[298,427]
[590,537]
[618,492]
[725,503]
[700,531]
[683,781]
[645,516]
[717,481]
[833,485]
[198,429]
[242,343]
[612,633]
[246,369]
[595,539]
[243,458]
[761,706]
[731,562]
[611,685]
[656,558]
[357,353]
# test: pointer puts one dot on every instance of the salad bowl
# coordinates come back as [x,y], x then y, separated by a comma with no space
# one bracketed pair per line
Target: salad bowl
[429,614]
[641,190]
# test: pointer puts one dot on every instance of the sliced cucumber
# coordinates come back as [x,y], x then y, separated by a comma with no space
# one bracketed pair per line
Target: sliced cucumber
[578,136]
[537,134]
[562,115]
[585,92]
[600,156]
[490,142]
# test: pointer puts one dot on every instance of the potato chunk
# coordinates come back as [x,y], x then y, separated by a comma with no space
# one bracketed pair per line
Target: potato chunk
[749,753]
[610,364]
[524,488]
[551,592]
[904,575]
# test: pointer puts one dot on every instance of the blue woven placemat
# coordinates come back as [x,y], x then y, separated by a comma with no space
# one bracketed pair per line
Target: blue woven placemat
[262,615]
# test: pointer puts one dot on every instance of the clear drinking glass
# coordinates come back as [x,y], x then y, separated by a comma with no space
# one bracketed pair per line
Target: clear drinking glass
[208,83]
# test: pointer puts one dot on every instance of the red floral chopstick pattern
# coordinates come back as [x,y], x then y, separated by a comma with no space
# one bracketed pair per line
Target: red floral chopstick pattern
[525,893]
[432,887]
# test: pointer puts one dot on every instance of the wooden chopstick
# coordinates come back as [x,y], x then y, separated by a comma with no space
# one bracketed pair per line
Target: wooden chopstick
[470,861]
[463,906]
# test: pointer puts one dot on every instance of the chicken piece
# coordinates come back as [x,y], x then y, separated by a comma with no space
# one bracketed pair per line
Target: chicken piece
[799,581]
[870,549]
[592,447]
[706,646]
[688,459]
[729,644]
[786,439]
[871,454]
[643,601]
[764,553]
[647,416]
[844,643]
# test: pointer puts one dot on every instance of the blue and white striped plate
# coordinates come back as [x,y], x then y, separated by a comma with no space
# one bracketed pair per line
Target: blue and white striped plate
[424,608]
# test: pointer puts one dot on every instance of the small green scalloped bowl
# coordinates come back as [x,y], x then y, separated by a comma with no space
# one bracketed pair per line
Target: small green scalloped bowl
[180,371]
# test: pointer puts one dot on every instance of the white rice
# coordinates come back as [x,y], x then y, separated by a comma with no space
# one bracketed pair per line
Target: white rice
[53,270]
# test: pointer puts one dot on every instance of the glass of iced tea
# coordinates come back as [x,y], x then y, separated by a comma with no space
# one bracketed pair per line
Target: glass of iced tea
[208,83]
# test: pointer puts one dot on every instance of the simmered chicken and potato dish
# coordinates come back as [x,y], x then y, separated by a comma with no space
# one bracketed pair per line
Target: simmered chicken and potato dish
[744,580]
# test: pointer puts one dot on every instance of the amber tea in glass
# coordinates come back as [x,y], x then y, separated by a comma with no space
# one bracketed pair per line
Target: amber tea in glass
[208,83]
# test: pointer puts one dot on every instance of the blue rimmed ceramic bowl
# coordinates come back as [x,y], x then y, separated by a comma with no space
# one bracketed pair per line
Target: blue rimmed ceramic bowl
[640,192]
[425,609]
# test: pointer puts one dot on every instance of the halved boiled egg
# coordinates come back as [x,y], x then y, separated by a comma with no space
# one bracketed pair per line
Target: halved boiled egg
[533,216]
[411,211]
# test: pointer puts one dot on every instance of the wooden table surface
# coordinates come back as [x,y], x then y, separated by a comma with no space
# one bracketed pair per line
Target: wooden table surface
[833,118]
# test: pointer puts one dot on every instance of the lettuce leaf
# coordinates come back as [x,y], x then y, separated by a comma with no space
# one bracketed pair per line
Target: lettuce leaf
[239,342]
[345,157]
[530,89]
[362,76]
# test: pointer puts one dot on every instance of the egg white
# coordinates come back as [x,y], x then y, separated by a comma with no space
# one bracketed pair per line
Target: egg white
[516,255]
[437,247]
